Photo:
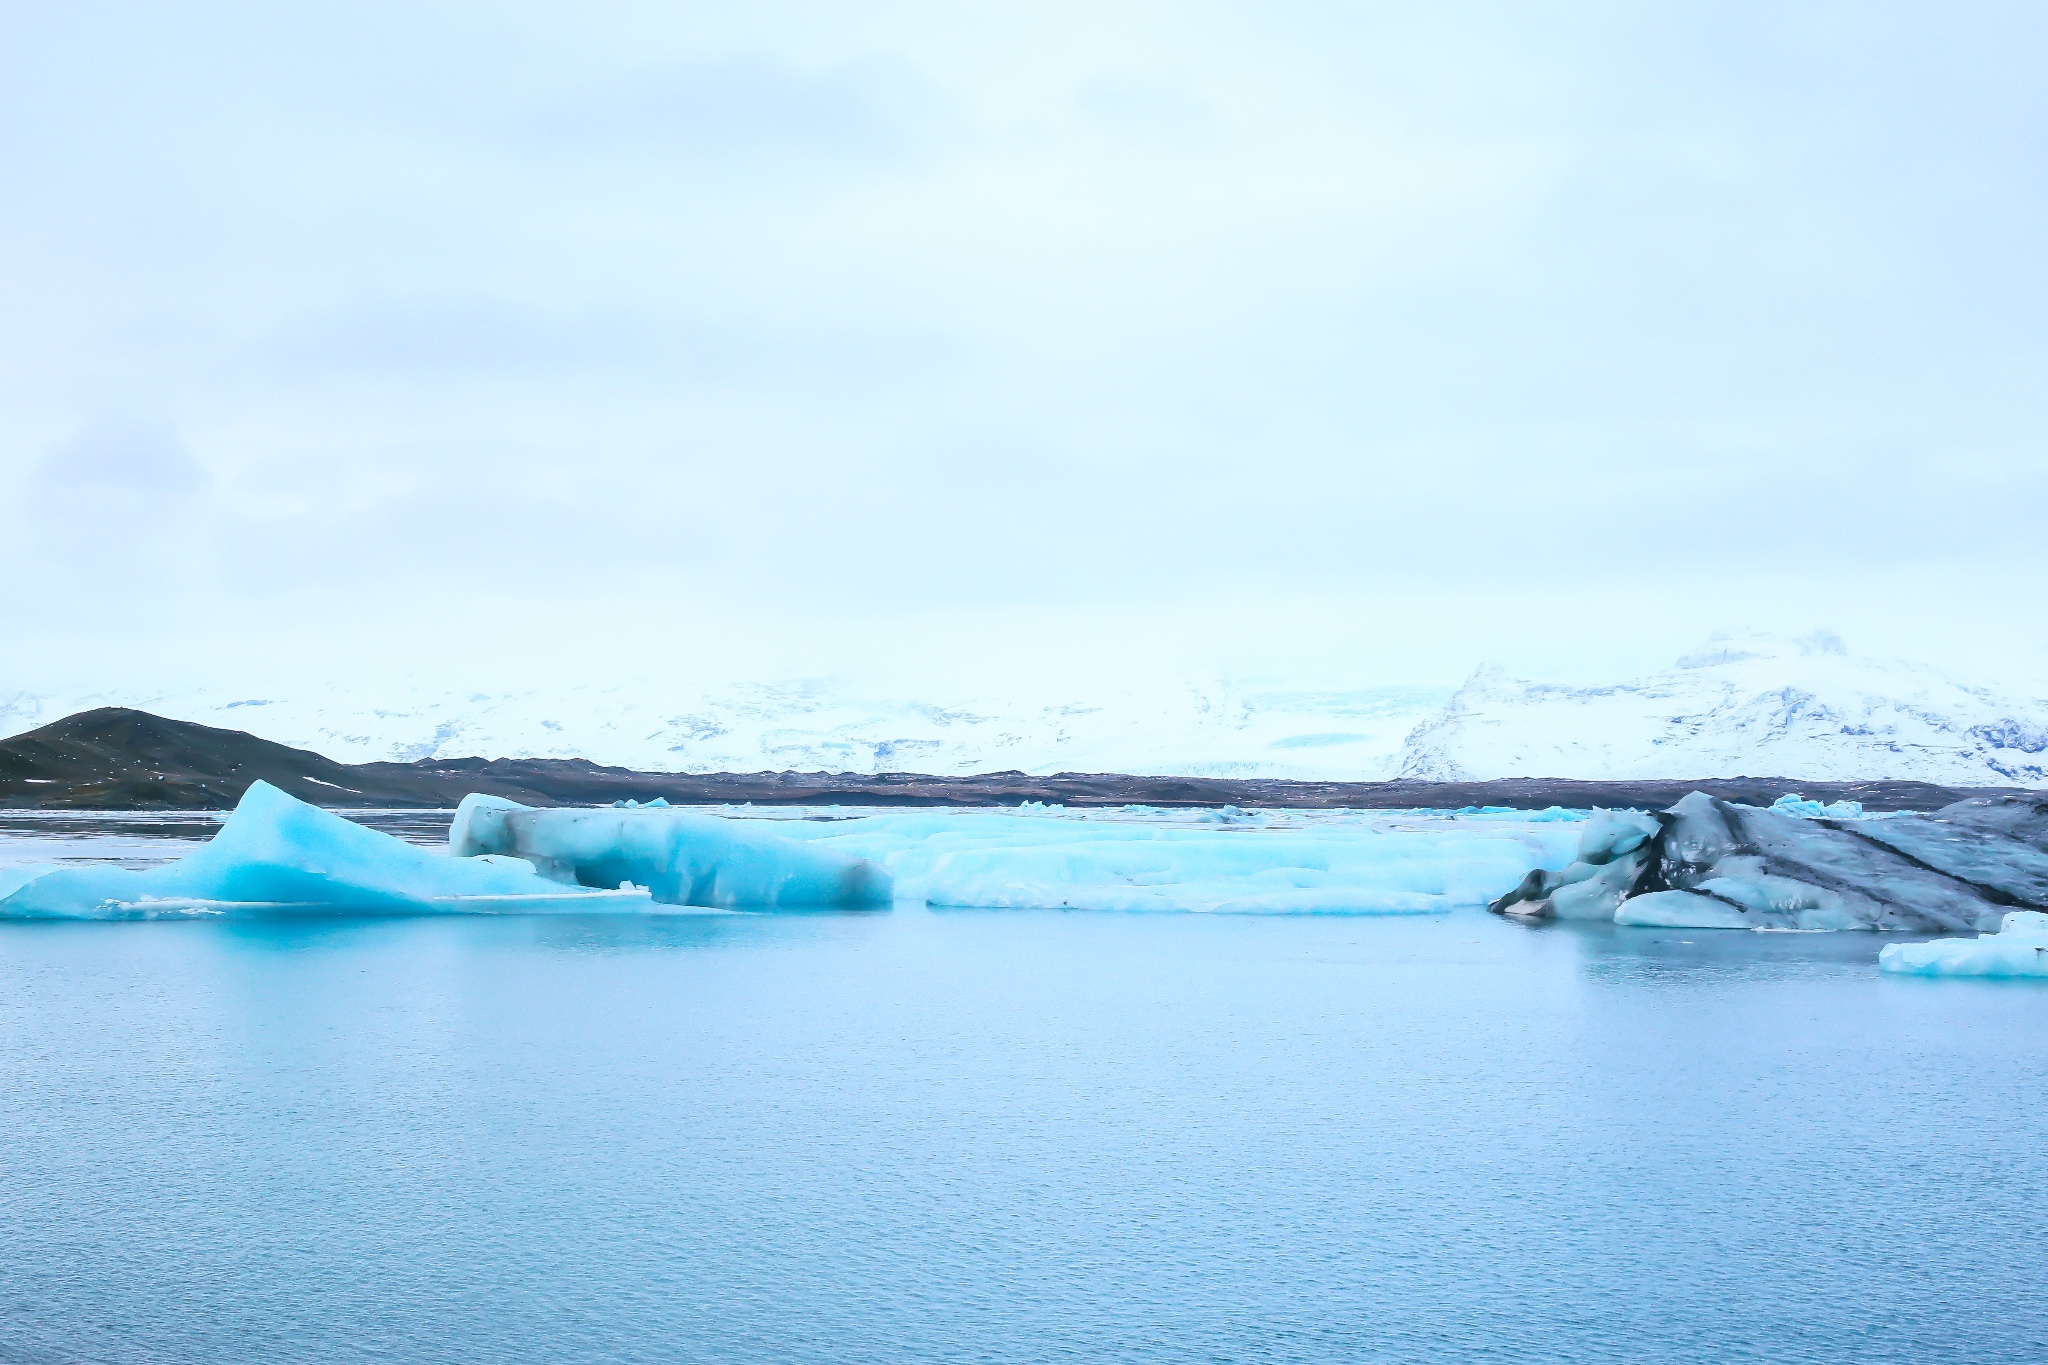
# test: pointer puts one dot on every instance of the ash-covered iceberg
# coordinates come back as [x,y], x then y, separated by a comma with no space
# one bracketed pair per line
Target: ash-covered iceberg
[2019,948]
[276,854]
[1711,864]
[1615,852]
[681,857]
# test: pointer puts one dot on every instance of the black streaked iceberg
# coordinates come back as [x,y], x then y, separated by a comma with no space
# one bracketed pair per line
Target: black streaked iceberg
[1706,863]
[1616,850]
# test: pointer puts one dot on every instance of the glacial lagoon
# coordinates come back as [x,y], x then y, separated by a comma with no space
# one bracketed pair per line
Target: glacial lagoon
[1007,1135]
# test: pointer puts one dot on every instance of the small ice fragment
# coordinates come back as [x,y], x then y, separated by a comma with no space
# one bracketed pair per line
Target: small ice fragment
[2018,949]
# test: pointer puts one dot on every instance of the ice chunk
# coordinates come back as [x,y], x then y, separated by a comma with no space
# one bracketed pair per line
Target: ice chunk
[1743,883]
[1598,896]
[1614,850]
[1611,833]
[682,858]
[2019,948]
[277,854]
[1791,803]
[1681,910]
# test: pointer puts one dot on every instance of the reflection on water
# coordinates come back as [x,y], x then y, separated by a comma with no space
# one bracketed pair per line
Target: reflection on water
[1612,949]
[138,839]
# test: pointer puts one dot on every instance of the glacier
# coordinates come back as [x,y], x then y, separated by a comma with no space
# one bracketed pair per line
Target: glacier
[1803,709]
[277,854]
[1741,704]
[1706,863]
[1196,727]
[681,857]
[2018,949]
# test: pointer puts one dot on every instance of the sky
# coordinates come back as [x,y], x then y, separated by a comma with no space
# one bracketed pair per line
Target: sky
[1313,343]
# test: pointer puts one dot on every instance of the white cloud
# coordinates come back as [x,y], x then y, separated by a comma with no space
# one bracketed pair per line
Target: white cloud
[1306,339]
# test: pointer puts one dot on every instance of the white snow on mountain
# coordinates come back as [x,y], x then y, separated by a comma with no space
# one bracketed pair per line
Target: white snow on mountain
[1215,729]
[1742,705]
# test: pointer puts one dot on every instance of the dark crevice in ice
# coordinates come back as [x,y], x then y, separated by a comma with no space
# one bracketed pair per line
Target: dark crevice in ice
[1996,895]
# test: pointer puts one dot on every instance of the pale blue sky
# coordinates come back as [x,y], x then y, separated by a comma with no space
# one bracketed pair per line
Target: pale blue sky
[1310,341]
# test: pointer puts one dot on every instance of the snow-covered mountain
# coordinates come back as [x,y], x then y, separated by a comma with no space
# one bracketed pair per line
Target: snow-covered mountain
[1738,706]
[1215,729]
[1746,705]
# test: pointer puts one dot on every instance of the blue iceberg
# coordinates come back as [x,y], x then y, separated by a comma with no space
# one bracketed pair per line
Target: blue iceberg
[276,854]
[1382,863]
[1029,857]
[681,857]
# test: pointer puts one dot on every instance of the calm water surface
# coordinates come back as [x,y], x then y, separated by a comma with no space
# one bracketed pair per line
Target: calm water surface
[1009,1136]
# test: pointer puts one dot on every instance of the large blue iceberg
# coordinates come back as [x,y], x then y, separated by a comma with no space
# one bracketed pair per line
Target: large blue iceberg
[280,855]
[681,857]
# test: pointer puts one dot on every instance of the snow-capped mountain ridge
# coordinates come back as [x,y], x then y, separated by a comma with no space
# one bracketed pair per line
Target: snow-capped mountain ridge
[1211,730]
[1739,705]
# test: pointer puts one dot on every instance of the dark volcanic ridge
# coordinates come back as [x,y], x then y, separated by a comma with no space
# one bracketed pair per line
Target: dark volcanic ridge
[114,758]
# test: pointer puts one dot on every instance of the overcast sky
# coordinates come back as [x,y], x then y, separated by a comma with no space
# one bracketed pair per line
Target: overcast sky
[1311,342]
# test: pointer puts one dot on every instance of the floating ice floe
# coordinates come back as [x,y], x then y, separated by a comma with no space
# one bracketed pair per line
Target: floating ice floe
[681,857]
[1032,856]
[2019,948]
[1384,863]
[280,855]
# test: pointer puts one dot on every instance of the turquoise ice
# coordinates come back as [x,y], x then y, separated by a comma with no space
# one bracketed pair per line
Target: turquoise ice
[681,857]
[276,854]
[1382,863]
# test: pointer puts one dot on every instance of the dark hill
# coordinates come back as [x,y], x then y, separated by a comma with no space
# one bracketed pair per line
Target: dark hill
[118,759]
